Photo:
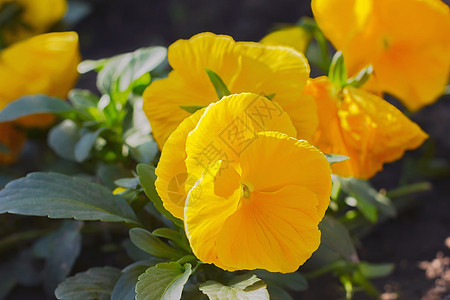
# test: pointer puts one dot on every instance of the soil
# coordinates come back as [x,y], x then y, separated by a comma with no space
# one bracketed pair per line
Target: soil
[417,241]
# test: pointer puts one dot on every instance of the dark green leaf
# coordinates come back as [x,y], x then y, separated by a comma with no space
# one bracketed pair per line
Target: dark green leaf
[30,105]
[95,283]
[151,244]
[334,158]
[336,238]
[129,183]
[165,281]
[60,251]
[85,143]
[338,72]
[242,288]
[173,235]
[366,196]
[192,109]
[109,173]
[60,196]
[220,87]
[125,286]
[62,139]
[292,281]
[147,179]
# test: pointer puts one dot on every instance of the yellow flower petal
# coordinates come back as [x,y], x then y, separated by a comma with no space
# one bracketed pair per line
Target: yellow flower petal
[260,225]
[298,163]
[280,72]
[273,231]
[362,126]
[229,126]
[294,36]
[206,212]
[171,171]
[406,41]
[44,64]
[13,139]
[39,16]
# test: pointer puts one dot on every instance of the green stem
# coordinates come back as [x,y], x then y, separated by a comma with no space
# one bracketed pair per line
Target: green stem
[409,189]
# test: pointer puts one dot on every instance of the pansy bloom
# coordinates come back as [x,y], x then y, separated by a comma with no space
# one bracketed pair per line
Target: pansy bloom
[25,18]
[43,64]
[255,196]
[406,41]
[362,126]
[277,72]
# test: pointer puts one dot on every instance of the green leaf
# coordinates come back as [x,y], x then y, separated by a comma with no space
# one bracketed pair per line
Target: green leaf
[76,11]
[192,109]
[85,143]
[30,105]
[147,179]
[125,286]
[292,281]
[148,242]
[361,78]
[60,251]
[336,238]
[369,270]
[338,72]
[334,158]
[173,235]
[60,196]
[95,283]
[90,65]
[83,98]
[129,183]
[62,139]
[165,281]
[367,197]
[219,85]
[122,70]
[240,288]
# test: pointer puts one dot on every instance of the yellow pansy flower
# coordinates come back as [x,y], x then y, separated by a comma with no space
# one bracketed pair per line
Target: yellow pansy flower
[294,36]
[43,64]
[406,41]
[274,71]
[29,17]
[13,140]
[362,126]
[255,196]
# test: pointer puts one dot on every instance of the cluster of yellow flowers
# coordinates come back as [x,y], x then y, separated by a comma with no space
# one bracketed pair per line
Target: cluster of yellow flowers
[243,172]
[34,64]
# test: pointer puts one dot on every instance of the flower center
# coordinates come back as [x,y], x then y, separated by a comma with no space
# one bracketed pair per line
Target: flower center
[245,191]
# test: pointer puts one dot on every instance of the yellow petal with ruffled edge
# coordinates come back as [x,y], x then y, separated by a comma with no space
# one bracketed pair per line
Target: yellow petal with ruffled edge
[229,126]
[172,176]
[44,64]
[294,36]
[406,41]
[299,163]
[280,72]
[275,228]
[361,126]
